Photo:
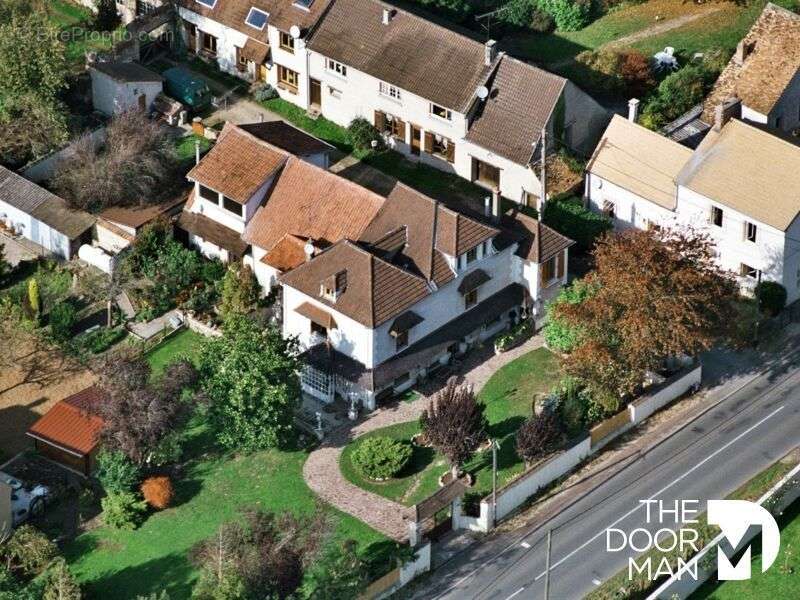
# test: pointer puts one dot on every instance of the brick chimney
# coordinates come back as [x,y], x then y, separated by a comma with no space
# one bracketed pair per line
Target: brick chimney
[725,111]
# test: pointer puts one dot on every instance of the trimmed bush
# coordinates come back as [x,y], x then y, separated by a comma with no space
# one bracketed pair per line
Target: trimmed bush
[381,457]
[158,492]
[569,15]
[771,297]
[116,472]
[123,510]
[361,133]
[62,318]
[569,217]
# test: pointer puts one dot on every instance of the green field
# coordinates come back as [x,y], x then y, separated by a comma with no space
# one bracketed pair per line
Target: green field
[508,397]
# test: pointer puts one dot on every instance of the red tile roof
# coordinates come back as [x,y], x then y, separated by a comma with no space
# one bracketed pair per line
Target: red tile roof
[73,423]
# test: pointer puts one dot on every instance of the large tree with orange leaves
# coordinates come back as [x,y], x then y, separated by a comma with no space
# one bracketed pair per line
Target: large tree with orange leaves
[660,294]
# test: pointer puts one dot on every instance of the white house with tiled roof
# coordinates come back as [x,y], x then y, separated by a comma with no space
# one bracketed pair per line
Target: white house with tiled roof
[741,186]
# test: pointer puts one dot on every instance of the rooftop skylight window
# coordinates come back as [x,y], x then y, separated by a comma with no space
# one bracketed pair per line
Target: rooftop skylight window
[256,18]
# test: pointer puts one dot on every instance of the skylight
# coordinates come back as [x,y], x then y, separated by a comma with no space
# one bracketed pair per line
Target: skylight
[256,18]
[306,4]
[208,3]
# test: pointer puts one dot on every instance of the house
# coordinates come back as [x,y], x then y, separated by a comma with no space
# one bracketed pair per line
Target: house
[122,86]
[291,139]
[437,95]
[423,284]
[118,226]
[41,217]
[70,431]
[739,186]
[762,79]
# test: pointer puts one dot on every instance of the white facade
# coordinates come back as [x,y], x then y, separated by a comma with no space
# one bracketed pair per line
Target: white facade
[112,97]
[36,231]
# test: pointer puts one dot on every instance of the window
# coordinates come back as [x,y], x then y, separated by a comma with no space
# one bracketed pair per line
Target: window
[440,146]
[716,216]
[256,18]
[470,299]
[485,174]
[315,379]
[288,78]
[750,230]
[336,67]
[144,8]
[441,112]
[748,271]
[609,209]
[391,91]
[319,329]
[287,42]
[209,43]
[334,92]
[549,270]
[208,194]
[390,124]
[241,61]
[401,340]
[397,129]
[472,255]
[652,225]
[232,206]
[304,4]
[207,3]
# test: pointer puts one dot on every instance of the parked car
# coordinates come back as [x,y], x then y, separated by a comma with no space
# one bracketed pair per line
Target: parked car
[184,86]
[25,502]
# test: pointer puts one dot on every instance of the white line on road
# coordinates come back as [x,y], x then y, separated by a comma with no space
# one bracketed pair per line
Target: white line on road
[596,581]
[664,489]
[515,593]
[525,545]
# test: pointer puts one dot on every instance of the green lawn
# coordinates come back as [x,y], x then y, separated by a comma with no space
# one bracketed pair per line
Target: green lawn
[185,147]
[508,397]
[183,344]
[74,19]
[121,564]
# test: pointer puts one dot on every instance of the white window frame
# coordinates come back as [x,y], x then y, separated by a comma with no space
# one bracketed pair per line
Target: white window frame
[747,226]
[211,6]
[334,92]
[449,113]
[336,68]
[390,91]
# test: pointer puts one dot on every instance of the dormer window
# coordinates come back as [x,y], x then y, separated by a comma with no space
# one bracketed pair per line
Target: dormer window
[256,18]
[334,286]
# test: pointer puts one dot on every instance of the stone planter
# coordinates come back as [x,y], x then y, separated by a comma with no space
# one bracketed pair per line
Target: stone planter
[447,477]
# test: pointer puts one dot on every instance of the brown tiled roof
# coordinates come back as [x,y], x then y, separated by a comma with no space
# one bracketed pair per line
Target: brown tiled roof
[773,60]
[255,51]
[536,241]
[438,64]
[376,290]
[521,99]
[411,217]
[212,231]
[311,203]
[238,164]
[282,14]
[286,137]
[136,216]
[115,229]
[73,423]
[287,254]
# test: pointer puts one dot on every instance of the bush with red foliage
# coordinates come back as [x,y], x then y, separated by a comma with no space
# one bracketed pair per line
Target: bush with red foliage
[158,492]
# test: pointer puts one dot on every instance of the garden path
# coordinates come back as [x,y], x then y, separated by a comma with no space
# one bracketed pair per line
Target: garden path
[321,470]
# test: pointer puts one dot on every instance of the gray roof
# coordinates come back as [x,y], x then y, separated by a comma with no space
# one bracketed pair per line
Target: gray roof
[48,208]
[127,72]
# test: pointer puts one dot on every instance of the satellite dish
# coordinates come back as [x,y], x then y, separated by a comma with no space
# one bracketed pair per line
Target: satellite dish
[294,31]
[482,92]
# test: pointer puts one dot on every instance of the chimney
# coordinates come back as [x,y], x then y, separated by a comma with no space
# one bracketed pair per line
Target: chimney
[308,249]
[489,52]
[743,50]
[633,110]
[496,204]
[725,111]
[197,152]
[387,15]
[487,206]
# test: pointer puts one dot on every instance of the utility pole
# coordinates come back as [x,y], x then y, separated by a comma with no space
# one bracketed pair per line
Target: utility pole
[547,566]
[495,448]
[543,199]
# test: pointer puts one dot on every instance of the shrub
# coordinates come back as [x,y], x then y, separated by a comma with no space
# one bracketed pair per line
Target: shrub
[676,94]
[574,405]
[100,339]
[158,492]
[634,69]
[601,69]
[381,457]
[560,335]
[123,510]
[538,436]
[63,317]
[107,18]
[518,12]
[27,552]
[361,133]
[771,297]
[569,15]
[541,22]
[569,217]
[33,297]
[264,92]
[116,472]
[60,583]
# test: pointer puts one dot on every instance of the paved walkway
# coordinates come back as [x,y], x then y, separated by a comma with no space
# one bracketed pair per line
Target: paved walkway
[321,470]
[147,330]
[19,249]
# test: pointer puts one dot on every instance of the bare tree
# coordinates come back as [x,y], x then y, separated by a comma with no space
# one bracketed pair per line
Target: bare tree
[454,423]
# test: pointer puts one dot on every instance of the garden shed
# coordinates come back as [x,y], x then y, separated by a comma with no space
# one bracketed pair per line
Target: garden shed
[121,86]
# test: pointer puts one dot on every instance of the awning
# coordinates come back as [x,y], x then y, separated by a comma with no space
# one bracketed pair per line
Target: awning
[473,281]
[211,231]
[405,322]
[316,315]
[255,51]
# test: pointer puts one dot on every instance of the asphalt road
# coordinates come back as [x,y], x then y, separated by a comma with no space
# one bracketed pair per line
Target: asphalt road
[709,459]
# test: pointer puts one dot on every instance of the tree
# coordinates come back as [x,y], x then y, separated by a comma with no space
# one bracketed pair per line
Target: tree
[139,415]
[249,376]
[538,436]
[60,583]
[636,73]
[116,472]
[5,266]
[134,166]
[123,510]
[62,318]
[239,290]
[260,555]
[339,574]
[34,299]
[659,294]
[677,93]
[32,127]
[558,333]
[27,552]
[454,423]
[771,297]
[107,17]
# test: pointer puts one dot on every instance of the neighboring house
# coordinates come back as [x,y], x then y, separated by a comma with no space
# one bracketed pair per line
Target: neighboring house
[118,226]
[422,284]
[436,95]
[763,77]
[42,217]
[291,139]
[122,86]
[70,431]
[739,186]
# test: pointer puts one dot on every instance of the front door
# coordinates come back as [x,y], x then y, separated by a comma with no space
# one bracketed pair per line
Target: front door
[315,91]
[261,72]
[142,102]
[416,140]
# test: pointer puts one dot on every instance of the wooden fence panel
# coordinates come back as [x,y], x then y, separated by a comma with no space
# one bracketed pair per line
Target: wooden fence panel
[377,587]
[604,429]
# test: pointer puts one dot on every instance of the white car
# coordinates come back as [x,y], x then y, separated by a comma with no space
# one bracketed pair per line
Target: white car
[24,502]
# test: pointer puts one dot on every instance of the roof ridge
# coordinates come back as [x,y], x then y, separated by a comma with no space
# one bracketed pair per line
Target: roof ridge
[258,140]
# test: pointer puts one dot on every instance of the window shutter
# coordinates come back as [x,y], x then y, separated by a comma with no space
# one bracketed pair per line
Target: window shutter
[380,121]
[401,128]
[474,169]
[560,265]
[428,142]
[451,152]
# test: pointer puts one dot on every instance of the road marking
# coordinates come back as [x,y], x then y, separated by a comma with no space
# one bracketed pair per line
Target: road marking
[515,593]
[664,489]
[525,545]
[596,581]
